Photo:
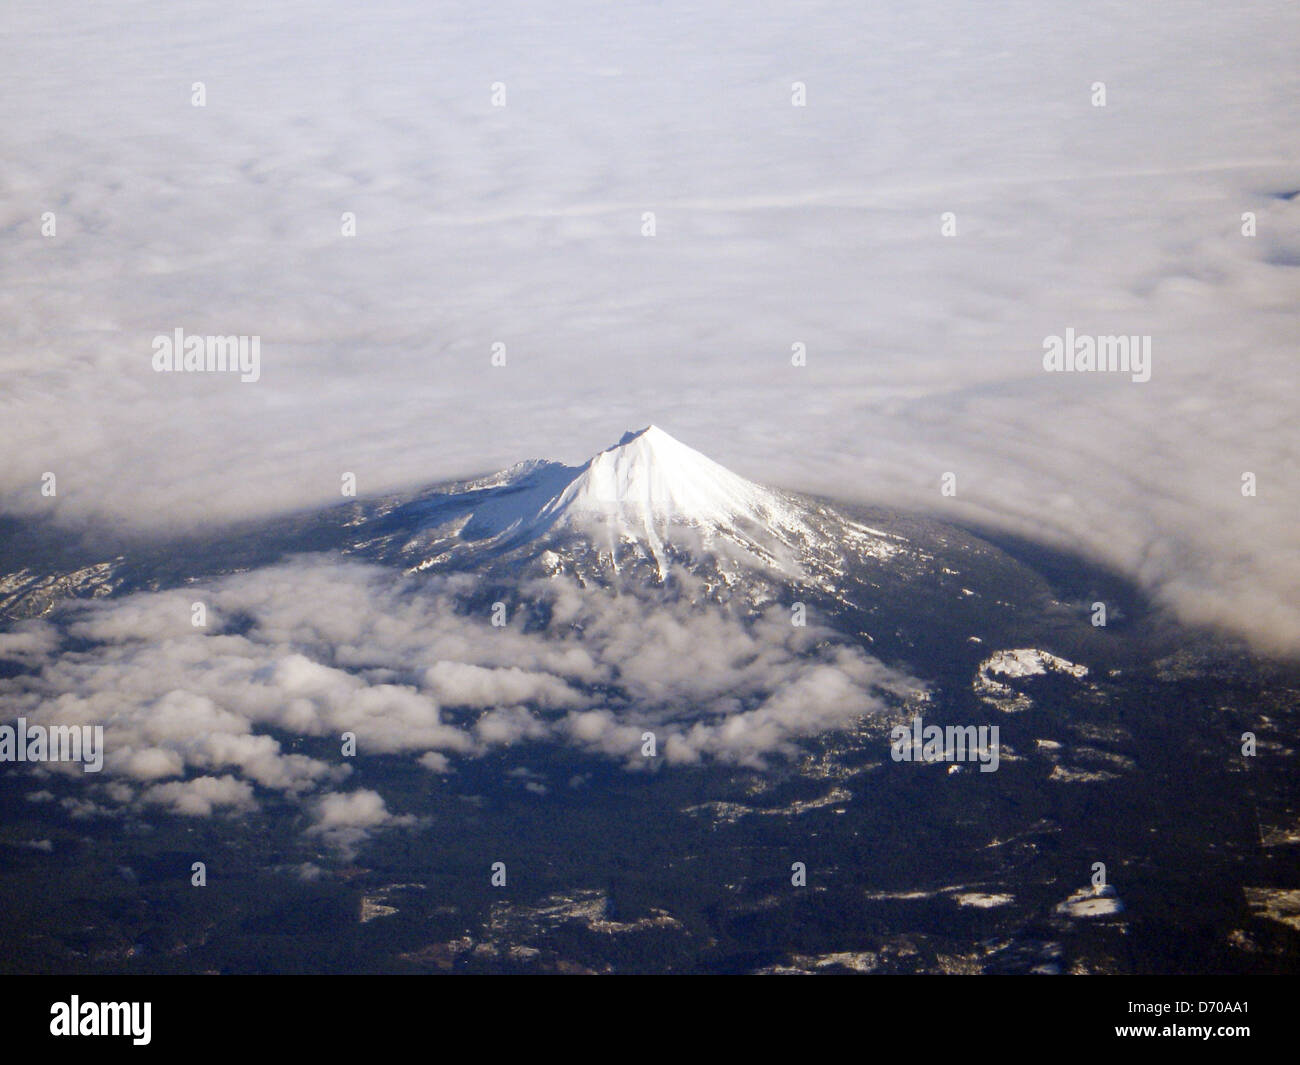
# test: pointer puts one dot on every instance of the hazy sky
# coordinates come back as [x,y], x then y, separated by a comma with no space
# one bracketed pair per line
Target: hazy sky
[775,225]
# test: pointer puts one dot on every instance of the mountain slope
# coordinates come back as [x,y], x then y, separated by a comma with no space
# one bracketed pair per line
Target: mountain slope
[645,505]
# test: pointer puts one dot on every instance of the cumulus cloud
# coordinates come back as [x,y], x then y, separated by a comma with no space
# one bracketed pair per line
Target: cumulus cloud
[435,762]
[344,819]
[355,809]
[776,225]
[200,796]
[196,720]
[468,685]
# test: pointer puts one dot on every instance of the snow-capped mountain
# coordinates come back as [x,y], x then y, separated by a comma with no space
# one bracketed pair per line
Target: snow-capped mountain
[648,478]
[645,505]
[648,513]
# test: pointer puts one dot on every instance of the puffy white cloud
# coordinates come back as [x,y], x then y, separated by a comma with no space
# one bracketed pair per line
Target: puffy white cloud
[463,684]
[354,809]
[152,763]
[435,762]
[504,725]
[197,720]
[200,796]
[345,819]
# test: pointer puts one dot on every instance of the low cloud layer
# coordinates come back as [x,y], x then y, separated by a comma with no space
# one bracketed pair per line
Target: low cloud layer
[775,225]
[320,647]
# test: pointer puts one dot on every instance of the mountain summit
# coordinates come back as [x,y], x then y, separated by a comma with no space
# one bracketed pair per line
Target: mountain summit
[639,508]
[649,477]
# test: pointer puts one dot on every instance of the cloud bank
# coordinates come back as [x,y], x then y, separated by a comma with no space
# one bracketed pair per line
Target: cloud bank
[775,225]
[197,721]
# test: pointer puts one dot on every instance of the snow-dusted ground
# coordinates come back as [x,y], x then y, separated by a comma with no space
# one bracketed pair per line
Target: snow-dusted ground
[1016,663]
[775,225]
[1092,902]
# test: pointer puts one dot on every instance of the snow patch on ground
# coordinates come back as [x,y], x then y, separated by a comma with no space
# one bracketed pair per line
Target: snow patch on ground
[1092,902]
[1017,664]
[984,901]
